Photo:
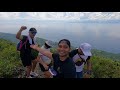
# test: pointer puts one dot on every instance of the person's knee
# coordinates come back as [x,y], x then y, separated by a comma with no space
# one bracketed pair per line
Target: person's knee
[47,74]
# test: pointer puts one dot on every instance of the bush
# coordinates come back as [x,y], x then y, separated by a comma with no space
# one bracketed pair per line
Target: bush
[9,59]
[105,68]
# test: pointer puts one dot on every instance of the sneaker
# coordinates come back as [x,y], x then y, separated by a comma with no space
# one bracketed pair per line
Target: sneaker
[29,77]
[52,71]
[33,74]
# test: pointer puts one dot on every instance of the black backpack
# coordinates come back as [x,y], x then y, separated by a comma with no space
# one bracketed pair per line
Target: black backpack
[79,63]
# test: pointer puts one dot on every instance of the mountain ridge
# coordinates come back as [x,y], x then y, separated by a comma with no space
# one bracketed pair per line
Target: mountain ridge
[40,41]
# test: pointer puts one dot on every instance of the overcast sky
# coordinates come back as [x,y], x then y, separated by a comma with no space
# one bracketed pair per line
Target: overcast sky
[60,15]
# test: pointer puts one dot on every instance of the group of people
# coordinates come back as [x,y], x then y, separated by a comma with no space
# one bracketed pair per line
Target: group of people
[65,63]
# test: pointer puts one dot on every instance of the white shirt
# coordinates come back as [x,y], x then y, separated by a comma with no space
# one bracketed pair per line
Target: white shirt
[30,40]
[75,58]
[43,57]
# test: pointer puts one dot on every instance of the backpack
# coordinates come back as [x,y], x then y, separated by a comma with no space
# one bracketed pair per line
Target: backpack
[21,44]
[79,63]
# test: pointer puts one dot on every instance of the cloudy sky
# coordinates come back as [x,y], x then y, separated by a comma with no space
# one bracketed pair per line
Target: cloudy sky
[60,15]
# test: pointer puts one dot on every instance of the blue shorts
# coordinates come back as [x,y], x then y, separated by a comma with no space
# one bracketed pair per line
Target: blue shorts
[79,74]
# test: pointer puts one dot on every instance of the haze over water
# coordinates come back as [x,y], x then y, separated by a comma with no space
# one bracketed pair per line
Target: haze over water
[103,36]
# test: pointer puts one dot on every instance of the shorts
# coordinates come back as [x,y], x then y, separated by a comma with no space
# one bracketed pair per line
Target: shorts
[42,67]
[79,74]
[26,59]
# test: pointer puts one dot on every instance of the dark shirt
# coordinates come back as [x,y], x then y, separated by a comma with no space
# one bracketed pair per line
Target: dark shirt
[73,53]
[33,42]
[26,48]
[65,69]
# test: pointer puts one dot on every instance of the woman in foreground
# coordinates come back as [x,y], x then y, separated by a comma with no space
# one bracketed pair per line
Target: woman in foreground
[62,63]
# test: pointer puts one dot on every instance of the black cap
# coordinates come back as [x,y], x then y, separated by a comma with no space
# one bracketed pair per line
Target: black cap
[33,30]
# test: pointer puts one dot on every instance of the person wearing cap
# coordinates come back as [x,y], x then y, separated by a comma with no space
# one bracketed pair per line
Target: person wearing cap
[44,61]
[81,56]
[28,60]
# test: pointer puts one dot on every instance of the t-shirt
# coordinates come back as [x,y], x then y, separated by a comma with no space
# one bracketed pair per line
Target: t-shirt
[43,57]
[26,50]
[76,57]
[65,69]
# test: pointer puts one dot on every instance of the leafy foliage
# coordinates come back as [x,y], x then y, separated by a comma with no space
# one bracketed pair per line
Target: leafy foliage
[104,64]
[9,59]
[105,67]
[105,54]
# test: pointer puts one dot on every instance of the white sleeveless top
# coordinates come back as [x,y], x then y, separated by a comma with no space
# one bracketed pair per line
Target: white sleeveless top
[75,58]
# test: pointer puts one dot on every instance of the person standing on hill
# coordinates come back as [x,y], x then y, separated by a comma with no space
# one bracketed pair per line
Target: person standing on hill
[81,58]
[27,58]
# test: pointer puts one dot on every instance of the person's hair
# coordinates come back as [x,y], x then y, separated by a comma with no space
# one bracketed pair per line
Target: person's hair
[66,41]
[47,46]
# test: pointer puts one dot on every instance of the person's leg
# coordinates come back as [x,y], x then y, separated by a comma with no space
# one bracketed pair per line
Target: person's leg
[28,70]
[28,67]
[34,63]
[26,63]
[47,74]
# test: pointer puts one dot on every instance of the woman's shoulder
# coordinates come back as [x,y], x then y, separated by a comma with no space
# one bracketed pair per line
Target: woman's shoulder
[55,56]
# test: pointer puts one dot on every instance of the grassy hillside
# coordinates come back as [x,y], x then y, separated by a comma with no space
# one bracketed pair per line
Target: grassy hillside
[104,64]
[105,54]
[105,67]
[12,38]
[8,36]
[9,59]
[10,63]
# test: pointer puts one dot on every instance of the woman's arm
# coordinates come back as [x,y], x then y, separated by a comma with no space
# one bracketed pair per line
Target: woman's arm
[42,51]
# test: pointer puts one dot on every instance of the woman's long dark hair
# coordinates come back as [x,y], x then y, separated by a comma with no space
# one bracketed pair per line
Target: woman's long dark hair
[67,42]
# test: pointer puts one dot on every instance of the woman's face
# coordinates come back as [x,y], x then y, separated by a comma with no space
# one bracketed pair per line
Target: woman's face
[63,49]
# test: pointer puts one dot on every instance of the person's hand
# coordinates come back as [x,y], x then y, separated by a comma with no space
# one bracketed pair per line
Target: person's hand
[23,28]
[34,46]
